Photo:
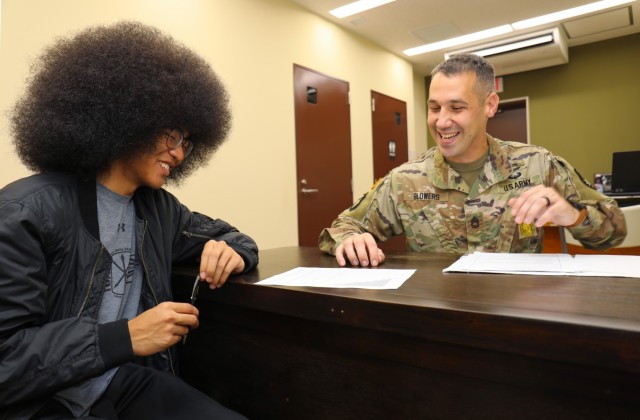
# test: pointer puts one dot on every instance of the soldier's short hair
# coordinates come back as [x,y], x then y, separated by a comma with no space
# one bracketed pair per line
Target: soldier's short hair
[464,62]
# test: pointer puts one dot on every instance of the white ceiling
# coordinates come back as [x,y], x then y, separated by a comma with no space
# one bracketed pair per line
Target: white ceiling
[405,24]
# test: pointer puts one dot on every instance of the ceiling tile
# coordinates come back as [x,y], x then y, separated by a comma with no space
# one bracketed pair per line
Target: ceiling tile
[602,22]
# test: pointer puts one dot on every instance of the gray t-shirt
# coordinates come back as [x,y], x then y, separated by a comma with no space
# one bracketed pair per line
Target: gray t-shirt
[121,297]
[116,218]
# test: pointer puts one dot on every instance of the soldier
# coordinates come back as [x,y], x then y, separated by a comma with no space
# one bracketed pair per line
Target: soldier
[472,192]
[88,326]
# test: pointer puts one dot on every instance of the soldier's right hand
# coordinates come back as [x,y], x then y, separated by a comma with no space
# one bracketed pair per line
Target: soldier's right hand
[360,249]
[161,327]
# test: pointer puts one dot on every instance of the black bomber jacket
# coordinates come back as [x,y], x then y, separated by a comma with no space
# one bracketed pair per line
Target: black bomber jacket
[53,269]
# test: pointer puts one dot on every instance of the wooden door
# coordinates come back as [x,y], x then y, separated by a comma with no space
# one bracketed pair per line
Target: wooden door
[511,121]
[390,145]
[323,151]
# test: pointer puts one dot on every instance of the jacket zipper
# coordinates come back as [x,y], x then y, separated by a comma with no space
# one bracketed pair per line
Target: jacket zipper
[93,275]
[195,235]
[144,264]
[153,292]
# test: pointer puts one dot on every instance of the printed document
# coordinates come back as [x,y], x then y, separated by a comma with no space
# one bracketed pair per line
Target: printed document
[360,278]
[593,265]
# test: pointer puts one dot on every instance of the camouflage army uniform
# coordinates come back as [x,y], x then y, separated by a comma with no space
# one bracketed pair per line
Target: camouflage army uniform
[432,205]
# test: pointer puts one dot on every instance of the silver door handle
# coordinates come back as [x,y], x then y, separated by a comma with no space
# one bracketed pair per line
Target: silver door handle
[309,190]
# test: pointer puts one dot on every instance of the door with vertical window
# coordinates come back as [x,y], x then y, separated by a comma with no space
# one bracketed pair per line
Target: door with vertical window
[323,151]
[390,145]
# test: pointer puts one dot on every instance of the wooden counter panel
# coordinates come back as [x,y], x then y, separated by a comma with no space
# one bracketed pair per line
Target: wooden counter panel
[441,346]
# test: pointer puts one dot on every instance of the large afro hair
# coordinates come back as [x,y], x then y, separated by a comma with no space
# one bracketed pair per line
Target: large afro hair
[107,93]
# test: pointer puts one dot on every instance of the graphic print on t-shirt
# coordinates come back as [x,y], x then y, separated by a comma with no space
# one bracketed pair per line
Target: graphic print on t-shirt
[122,288]
[122,269]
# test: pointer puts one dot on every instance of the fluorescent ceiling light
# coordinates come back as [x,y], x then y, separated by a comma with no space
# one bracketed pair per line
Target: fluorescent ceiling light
[357,7]
[523,24]
[567,14]
[499,49]
[464,39]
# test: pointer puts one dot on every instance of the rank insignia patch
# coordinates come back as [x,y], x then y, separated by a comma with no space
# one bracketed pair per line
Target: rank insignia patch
[527,230]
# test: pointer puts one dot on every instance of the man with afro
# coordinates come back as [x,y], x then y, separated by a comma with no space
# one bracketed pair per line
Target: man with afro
[88,327]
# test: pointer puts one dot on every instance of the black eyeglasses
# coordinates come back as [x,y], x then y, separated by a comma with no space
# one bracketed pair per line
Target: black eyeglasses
[175,139]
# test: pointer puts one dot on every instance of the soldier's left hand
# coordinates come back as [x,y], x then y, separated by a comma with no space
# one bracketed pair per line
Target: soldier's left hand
[218,262]
[541,205]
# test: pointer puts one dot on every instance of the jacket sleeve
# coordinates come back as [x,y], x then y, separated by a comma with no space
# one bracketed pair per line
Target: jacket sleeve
[201,227]
[195,229]
[605,226]
[41,353]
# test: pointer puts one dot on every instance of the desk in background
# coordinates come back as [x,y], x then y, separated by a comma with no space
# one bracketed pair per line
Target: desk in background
[626,200]
[442,346]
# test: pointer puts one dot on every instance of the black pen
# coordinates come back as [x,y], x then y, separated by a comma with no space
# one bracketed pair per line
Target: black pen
[194,295]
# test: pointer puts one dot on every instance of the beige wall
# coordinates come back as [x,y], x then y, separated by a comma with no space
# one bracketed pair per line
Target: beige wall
[252,44]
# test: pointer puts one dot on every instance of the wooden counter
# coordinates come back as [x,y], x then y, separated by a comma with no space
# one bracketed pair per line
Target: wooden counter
[442,346]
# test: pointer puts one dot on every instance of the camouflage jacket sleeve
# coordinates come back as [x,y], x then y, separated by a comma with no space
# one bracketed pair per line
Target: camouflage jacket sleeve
[604,227]
[374,212]
[428,202]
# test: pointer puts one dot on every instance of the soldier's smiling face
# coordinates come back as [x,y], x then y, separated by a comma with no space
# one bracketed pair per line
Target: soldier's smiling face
[458,116]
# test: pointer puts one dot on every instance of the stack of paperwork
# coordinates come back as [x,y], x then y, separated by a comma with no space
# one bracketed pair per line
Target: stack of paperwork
[593,265]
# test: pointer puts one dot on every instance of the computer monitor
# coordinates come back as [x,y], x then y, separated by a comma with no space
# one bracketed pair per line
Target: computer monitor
[625,173]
